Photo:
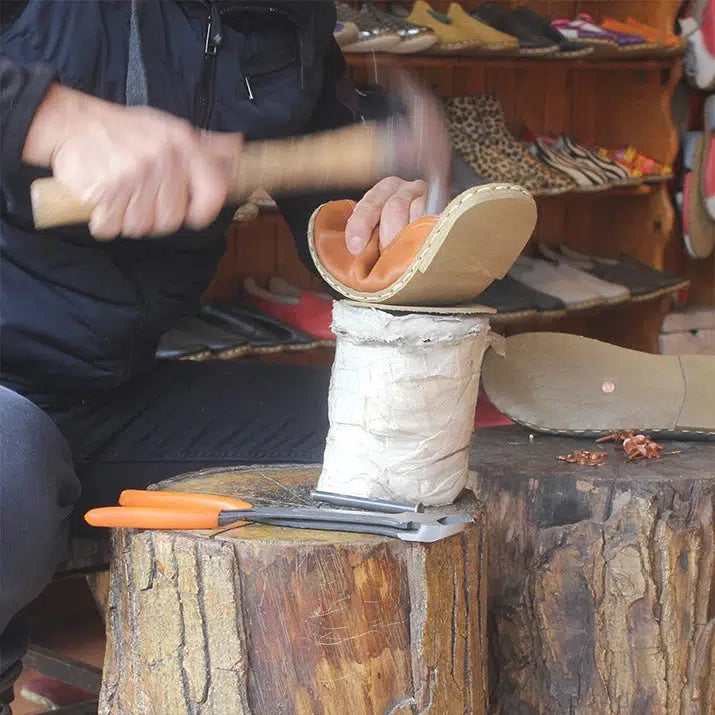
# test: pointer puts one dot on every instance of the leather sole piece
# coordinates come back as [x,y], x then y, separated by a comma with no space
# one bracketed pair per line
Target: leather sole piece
[570,385]
[475,240]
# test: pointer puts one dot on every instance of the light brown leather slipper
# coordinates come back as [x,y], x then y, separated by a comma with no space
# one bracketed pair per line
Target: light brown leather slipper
[444,260]
[566,384]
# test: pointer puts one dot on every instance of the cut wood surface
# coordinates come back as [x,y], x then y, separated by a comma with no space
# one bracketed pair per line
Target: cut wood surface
[601,579]
[260,619]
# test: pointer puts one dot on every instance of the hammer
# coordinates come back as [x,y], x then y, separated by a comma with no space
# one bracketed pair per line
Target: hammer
[354,157]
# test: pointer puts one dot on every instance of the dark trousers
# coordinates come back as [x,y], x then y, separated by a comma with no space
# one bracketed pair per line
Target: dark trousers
[57,463]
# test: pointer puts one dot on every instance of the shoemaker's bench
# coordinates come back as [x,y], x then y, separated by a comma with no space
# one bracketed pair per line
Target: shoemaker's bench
[599,586]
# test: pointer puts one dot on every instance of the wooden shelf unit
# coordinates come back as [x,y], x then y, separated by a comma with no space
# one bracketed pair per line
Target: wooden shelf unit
[603,102]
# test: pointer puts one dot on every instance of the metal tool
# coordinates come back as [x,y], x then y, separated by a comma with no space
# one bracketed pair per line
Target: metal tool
[353,157]
[393,507]
[186,510]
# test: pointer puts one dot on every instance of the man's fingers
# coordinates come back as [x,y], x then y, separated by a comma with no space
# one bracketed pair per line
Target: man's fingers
[396,213]
[139,214]
[108,216]
[172,198]
[417,208]
[367,212]
[207,194]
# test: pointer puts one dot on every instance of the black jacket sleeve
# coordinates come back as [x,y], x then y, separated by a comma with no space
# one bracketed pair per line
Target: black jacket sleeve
[335,109]
[22,88]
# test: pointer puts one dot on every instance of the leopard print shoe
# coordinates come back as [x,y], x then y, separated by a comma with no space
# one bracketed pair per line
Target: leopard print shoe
[480,134]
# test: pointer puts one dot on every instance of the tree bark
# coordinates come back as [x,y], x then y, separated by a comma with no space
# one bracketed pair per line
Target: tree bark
[601,593]
[270,620]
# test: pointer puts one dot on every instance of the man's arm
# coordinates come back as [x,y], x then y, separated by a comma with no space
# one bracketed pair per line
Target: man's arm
[145,171]
[22,89]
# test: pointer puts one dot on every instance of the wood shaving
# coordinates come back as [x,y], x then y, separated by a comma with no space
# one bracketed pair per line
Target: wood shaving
[636,446]
[581,456]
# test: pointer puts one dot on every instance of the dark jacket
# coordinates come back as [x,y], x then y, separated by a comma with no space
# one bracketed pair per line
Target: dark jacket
[77,315]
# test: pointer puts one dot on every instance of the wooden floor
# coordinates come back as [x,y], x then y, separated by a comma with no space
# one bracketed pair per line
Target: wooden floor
[66,621]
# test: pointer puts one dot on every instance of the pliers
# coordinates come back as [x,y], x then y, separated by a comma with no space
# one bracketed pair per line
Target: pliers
[188,510]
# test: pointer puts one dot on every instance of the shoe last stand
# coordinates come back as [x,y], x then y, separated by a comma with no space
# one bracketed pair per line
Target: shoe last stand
[405,378]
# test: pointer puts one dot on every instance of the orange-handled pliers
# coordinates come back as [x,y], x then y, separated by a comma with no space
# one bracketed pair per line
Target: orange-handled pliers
[165,510]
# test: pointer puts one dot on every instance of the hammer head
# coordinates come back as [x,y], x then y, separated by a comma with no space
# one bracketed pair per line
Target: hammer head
[417,140]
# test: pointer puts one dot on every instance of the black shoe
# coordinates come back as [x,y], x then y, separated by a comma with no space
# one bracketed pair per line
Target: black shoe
[541,26]
[530,41]
[516,300]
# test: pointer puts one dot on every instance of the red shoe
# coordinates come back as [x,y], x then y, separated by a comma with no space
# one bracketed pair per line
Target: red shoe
[281,286]
[306,311]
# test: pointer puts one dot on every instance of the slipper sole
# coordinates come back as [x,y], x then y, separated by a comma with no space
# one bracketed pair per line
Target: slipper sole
[476,240]
[570,385]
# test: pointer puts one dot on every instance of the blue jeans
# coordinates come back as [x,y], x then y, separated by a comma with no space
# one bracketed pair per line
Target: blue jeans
[60,461]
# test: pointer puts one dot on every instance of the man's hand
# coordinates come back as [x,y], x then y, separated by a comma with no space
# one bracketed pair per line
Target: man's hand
[147,173]
[393,203]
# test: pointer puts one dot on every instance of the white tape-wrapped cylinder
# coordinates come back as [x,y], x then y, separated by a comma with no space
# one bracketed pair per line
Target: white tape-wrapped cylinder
[401,404]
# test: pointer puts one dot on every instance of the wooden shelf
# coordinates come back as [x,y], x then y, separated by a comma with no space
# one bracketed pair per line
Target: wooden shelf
[466,63]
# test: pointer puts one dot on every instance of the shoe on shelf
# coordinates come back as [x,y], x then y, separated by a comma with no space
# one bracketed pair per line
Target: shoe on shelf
[514,300]
[698,26]
[492,39]
[452,37]
[615,174]
[669,41]
[307,312]
[643,281]
[372,35]
[626,41]
[413,38]
[586,176]
[479,133]
[567,384]
[643,169]
[193,336]
[531,42]
[281,286]
[652,41]
[541,26]
[261,331]
[580,31]
[611,292]
[551,279]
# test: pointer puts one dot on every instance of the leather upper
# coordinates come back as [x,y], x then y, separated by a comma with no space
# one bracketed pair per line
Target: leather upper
[374,268]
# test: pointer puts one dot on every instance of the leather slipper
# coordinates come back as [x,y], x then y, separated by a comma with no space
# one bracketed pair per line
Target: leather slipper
[435,260]
[566,384]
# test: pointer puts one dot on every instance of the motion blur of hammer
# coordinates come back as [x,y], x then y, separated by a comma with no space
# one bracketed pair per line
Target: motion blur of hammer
[414,143]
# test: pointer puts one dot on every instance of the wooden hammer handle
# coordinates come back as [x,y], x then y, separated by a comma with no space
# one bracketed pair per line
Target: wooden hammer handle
[352,157]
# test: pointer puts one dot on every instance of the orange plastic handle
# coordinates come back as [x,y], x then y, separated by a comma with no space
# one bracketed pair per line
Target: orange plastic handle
[181,500]
[146,517]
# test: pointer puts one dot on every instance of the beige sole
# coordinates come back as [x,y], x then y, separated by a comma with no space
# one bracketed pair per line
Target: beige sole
[476,240]
[566,384]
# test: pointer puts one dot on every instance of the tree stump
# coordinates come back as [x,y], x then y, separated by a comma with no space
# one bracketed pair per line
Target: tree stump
[261,619]
[600,589]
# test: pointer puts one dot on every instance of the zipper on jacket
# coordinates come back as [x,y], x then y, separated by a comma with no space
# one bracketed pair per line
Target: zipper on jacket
[214,39]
